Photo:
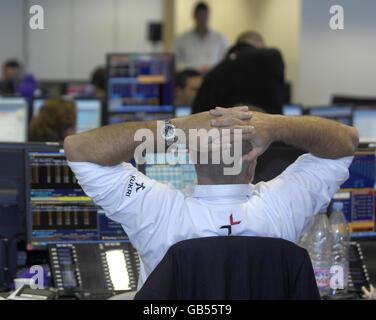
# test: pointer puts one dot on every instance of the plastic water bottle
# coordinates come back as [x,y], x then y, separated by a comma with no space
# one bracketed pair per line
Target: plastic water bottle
[318,243]
[340,249]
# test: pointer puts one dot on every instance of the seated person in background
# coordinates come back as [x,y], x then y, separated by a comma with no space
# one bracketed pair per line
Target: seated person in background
[202,47]
[250,75]
[98,79]
[187,83]
[55,121]
[11,75]
[155,216]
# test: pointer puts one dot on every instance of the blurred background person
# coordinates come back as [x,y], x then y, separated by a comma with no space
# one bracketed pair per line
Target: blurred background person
[98,80]
[55,121]
[251,74]
[200,48]
[11,75]
[187,83]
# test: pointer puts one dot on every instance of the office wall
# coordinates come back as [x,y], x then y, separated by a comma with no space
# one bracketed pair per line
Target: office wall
[278,21]
[336,61]
[11,30]
[79,33]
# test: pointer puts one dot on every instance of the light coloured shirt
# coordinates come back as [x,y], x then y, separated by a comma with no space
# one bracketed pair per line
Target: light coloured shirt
[155,216]
[193,51]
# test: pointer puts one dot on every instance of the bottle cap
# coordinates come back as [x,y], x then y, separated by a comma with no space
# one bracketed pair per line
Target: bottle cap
[337,206]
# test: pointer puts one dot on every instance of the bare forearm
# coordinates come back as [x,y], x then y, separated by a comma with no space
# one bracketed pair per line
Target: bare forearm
[321,137]
[113,144]
[108,145]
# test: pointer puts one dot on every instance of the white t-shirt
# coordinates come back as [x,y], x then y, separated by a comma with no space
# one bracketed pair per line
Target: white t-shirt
[193,51]
[155,216]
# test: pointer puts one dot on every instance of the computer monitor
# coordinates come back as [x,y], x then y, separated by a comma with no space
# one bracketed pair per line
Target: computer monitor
[13,119]
[353,100]
[183,111]
[50,89]
[139,80]
[292,110]
[79,89]
[342,114]
[89,113]
[358,192]
[364,120]
[115,118]
[13,205]
[58,210]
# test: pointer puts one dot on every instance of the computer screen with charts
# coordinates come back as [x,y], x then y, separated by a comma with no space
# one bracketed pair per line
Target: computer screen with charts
[139,80]
[13,119]
[358,193]
[89,113]
[58,210]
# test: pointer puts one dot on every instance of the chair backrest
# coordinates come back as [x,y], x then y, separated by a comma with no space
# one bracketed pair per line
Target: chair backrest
[232,268]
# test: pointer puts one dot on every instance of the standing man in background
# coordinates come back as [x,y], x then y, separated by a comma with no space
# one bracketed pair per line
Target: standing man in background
[200,48]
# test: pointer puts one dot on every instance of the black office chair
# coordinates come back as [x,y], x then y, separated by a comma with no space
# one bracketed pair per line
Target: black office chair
[232,268]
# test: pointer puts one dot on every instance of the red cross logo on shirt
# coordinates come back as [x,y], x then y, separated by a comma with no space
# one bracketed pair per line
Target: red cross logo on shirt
[232,223]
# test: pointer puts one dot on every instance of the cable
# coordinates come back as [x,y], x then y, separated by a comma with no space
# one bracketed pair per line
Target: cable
[7,245]
[10,241]
[4,242]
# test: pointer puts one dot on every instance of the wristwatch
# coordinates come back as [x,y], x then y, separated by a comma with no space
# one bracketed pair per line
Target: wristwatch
[168,132]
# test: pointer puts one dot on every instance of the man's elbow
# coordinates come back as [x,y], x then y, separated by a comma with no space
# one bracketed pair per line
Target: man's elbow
[71,149]
[353,141]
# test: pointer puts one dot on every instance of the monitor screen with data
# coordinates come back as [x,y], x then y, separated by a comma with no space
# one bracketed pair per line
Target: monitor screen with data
[139,80]
[58,210]
[365,121]
[13,119]
[341,114]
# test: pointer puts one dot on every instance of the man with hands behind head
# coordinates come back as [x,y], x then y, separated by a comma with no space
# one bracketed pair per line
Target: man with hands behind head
[156,217]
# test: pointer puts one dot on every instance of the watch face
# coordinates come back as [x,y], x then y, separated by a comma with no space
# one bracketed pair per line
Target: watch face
[169,131]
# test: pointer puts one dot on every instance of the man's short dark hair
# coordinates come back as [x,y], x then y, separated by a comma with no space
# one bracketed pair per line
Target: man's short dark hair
[215,172]
[182,76]
[249,35]
[200,6]
[98,78]
[11,64]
